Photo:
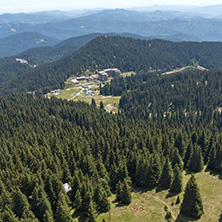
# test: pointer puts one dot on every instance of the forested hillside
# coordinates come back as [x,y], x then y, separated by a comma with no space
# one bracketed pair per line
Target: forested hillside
[20,42]
[165,124]
[10,69]
[49,142]
[124,53]
[50,53]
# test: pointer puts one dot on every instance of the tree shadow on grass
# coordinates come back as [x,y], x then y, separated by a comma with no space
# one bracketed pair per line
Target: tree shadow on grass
[214,173]
[171,194]
[141,189]
[159,189]
[182,218]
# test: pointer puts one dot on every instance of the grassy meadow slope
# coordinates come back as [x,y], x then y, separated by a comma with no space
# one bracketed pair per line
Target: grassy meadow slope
[149,205]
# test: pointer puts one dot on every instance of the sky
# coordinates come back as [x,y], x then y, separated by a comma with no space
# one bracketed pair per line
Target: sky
[14,6]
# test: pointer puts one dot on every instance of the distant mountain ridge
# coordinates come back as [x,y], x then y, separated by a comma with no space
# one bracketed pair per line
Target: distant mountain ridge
[18,43]
[155,23]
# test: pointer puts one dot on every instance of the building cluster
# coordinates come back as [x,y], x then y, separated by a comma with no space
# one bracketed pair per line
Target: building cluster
[101,77]
[106,73]
[22,61]
[55,92]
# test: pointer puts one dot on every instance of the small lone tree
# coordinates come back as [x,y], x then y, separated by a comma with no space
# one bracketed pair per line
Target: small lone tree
[192,204]
[126,193]
[123,193]
[101,106]
[93,102]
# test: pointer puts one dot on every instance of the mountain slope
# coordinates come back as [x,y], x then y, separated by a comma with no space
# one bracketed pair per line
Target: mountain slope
[84,39]
[124,53]
[50,53]
[17,43]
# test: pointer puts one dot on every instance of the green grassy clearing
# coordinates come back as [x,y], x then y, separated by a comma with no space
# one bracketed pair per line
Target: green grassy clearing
[68,93]
[124,74]
[110,102]
[149,205]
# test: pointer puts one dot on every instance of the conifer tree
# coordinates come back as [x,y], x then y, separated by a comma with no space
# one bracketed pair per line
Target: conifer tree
[20,202]
[28,216]
[125,193]
[203,143]
[177,183]
[47,217]
[167,175]
[63,210]
[8,216]
[212,158]
[178,199]
[177,159]
[188,154]
[101,200]
[91,212]
[168,216]
[40,203]
[192,203]
[118,190]
[154,172]
[93,102]
[196,162]
[179,144]
[101,105]
[78,200]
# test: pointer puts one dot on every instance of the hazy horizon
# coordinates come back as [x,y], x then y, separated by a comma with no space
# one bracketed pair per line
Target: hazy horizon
[23,6]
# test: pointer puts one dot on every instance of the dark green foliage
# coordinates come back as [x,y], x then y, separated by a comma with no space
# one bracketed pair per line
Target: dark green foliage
[154,172]
[178,200]
[192,203]
[168,216]
[50,53]
[47,217]
[101,199]
[196,162]
[8,216]
[93,102]
[131,54]
[177,184]
[167,175]
[46,143]
[91,212]
[123,193]
[101,106]
[63,210]
[20,202]
[176,159]
[78,200]
[40,203]
[188,153]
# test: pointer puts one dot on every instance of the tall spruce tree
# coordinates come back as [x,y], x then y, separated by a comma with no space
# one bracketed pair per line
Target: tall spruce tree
[192,204]
[196,162]
[91,212]
[101,200]
[40,203]
[21,203]
[167,175]
[177,159]
[177,184]
[63,210]
[188,154]
[78,200]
